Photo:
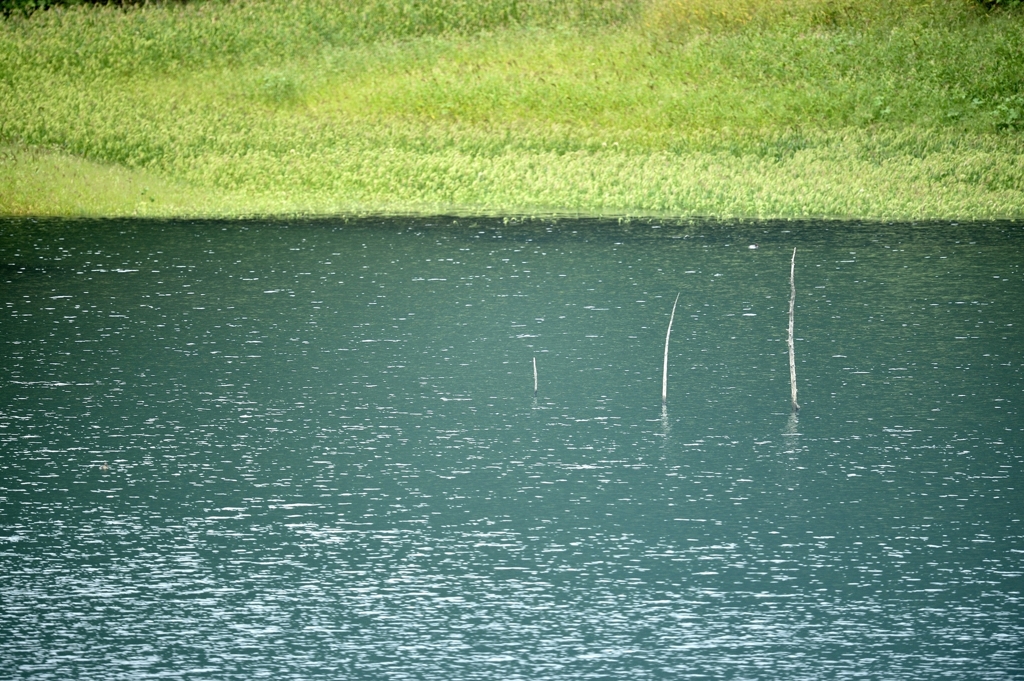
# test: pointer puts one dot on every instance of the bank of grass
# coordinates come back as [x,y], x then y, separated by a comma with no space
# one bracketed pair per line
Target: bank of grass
[907,109]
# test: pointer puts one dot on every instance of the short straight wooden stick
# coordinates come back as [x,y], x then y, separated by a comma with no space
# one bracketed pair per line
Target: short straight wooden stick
[664,373]
[534,376]
[792,349]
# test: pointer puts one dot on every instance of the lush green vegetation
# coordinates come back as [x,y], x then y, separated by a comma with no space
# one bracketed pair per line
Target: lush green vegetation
[866,108]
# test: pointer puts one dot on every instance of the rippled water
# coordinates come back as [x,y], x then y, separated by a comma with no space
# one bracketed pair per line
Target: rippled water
[312,450]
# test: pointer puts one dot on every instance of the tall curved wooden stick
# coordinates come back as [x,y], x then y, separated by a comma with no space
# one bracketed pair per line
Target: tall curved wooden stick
[534,376]
[792,350]
[664,374]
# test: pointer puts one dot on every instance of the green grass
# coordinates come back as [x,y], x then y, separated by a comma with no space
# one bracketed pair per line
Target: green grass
[910,109]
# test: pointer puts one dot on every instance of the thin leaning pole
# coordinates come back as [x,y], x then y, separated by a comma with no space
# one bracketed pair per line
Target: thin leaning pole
[664,373]
[792,349]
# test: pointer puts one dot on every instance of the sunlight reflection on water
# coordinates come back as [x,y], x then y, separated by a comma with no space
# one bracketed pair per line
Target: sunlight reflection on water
[312,450]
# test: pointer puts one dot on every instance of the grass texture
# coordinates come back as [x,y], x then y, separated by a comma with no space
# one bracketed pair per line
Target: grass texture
[907,109]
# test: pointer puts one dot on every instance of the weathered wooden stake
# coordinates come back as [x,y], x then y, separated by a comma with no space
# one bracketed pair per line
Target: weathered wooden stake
[664,374]
[534,376]
[792,350]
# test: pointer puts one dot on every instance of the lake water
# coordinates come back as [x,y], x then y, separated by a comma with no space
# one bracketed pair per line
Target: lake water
[300,450]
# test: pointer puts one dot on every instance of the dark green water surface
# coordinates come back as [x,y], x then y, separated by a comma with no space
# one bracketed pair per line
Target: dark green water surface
[240,450]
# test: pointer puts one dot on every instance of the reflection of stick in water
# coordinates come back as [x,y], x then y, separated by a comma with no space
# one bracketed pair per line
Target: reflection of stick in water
[664,373]
[792,427]
[792,354]
[534,376]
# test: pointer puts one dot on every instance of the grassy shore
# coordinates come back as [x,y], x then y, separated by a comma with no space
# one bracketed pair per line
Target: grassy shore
[907,109]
